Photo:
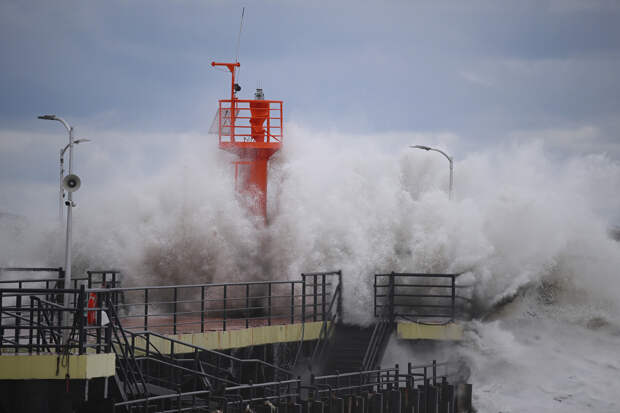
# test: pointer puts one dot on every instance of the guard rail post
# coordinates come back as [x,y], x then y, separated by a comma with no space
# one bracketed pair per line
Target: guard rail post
[391,298]
[146,309]
[202,309]
[174,310]
[340,292]
[453,297]
[323,295]
[80,313]
[269,304]
[247,305]
[292,302]
[303,299]
[224,310]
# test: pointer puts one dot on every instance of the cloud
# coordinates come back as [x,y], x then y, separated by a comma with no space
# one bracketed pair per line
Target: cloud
[585,135]
[397,66]
[476,79]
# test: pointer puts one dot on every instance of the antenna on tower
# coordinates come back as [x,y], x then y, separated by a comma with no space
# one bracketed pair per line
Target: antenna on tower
[239,36]
[239,42]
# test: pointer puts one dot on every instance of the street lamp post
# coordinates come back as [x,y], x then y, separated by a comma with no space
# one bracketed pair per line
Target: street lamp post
[448,157]
[69,204]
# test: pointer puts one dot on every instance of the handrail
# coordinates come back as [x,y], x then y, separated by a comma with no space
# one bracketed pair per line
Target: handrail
[214,352]
[25,324]
[395,296]
[344,382]
[377,340]
[50,303]
[192,308]
[207,392]
[127,363]
[205,308]
[353,373]
[32,280]
[233,122]
[180,367]
[26,291]
[179,286]
[31,269]
[336,300]
[424,275]
[54,336]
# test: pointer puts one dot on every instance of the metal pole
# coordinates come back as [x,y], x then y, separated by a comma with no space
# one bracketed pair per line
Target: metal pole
[69,203]
[67,314]
[61,189]
[451,177]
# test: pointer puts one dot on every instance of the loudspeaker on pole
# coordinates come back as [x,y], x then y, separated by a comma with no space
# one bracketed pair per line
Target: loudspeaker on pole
[71,183]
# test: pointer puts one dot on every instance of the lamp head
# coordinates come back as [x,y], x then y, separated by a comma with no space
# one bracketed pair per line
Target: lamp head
[48,117]
[426,148]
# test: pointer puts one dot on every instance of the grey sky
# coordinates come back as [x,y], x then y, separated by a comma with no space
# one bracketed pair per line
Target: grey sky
[486,71]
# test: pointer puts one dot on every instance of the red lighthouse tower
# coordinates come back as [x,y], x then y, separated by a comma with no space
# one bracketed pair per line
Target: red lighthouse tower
[252,130]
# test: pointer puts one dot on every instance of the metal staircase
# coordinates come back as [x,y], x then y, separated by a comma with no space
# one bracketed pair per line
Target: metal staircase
[153,365]
[129,380]
[377,344]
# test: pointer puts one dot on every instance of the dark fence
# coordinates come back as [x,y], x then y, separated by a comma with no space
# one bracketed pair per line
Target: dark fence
[214,365]
[39,277]
[422,389]
[103,279]
[352,383]
[31,320]
[221,306]
[93,279]
[330,314]
[413,296]
[231,399]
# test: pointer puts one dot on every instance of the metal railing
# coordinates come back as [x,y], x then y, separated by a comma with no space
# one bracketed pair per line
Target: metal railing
[416,296]
[428,383]
[102,279]
[330,315]
[220,306]
[216,365]
[375,380]
[33,282]
[231,399]
[423,388]
[37,312]
[93,279]
[129,378]
[377,344]
[30,322]
[242,129]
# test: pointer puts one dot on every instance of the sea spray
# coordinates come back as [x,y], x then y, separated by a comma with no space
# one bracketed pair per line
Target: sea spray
[517,216]
[528,230]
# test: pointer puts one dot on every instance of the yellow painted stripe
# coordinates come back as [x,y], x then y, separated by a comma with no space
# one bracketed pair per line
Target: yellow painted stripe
[416,331]
[43,366]
[223,340]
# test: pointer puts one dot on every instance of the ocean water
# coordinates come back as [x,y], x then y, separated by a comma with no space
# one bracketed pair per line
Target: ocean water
[528,229]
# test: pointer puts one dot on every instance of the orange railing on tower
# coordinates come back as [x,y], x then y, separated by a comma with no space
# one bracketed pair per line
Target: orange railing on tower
[258,121]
